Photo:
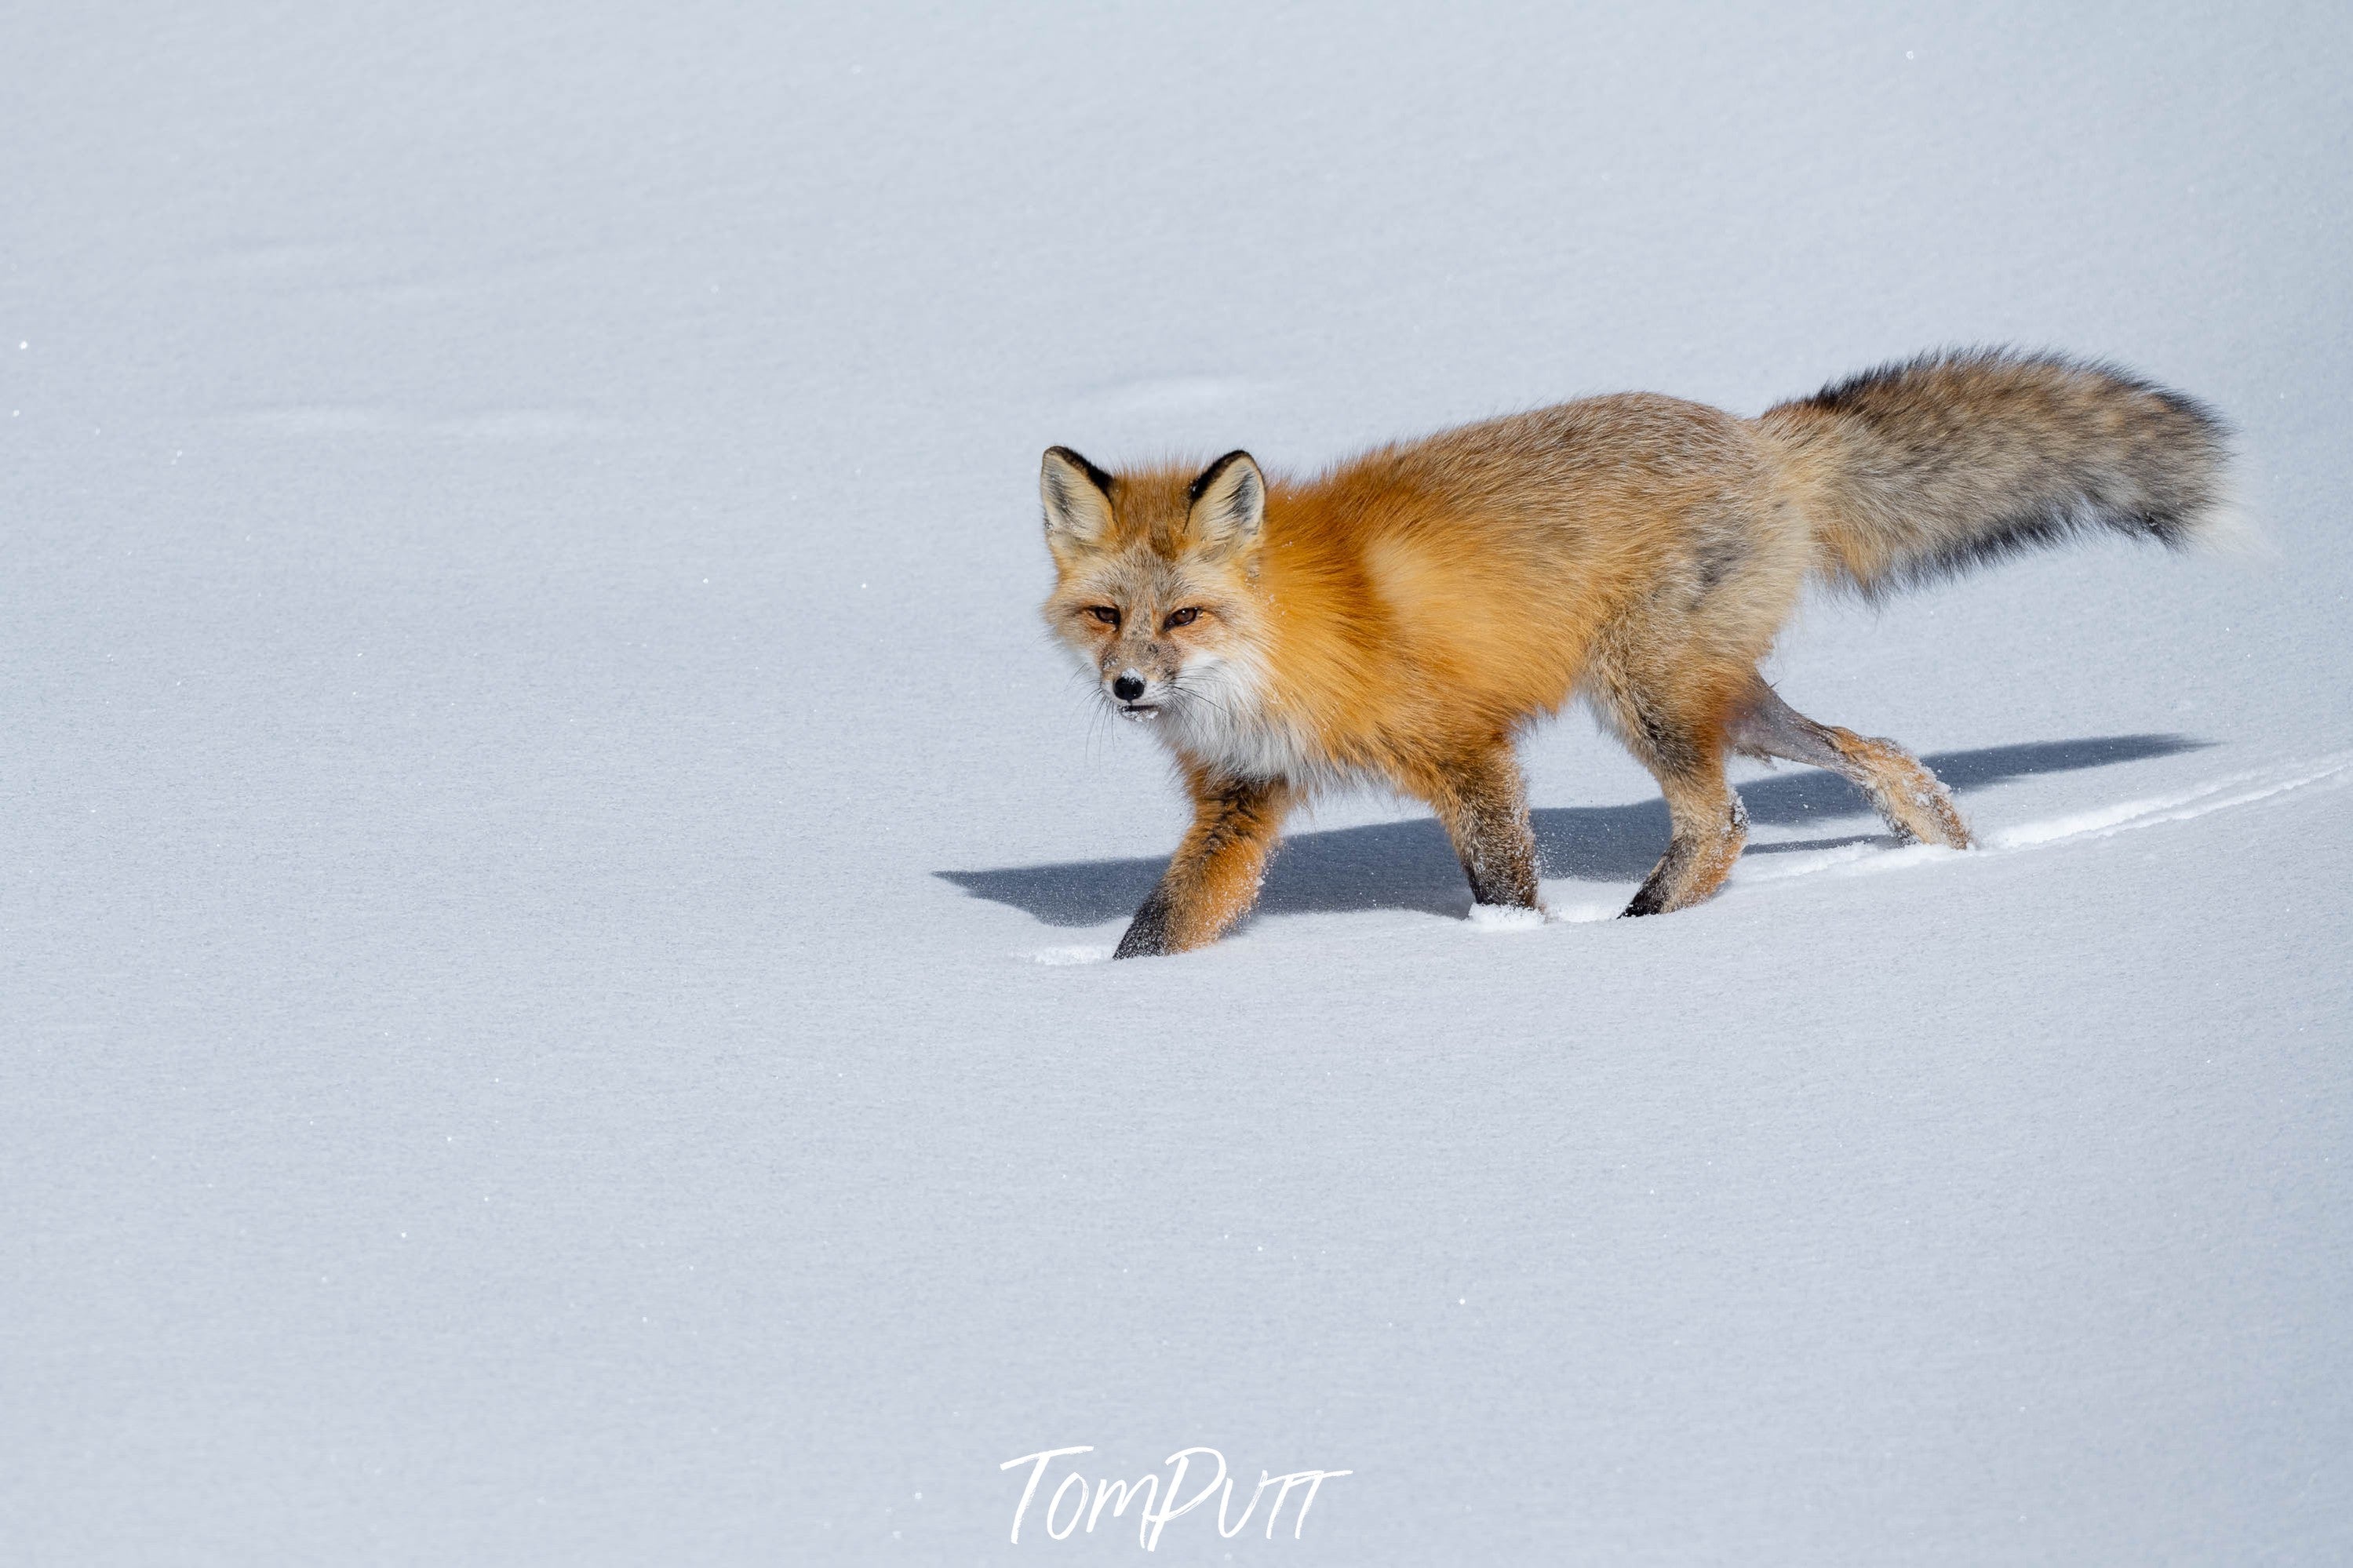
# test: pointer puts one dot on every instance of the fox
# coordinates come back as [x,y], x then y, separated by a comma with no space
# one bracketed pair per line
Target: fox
[1403,617]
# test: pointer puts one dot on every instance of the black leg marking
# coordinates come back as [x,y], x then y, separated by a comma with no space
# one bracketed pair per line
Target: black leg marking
[1147,933]
[1651,897]
[1501,866]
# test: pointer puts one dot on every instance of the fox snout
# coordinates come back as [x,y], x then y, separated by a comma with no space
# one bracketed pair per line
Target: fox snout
[1136,688]
[1139,671]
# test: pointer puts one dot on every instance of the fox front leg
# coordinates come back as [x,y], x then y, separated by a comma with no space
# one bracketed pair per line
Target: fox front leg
[1213,877]
[1482,801]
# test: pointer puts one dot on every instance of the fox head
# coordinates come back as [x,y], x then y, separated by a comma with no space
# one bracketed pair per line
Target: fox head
[1155,588]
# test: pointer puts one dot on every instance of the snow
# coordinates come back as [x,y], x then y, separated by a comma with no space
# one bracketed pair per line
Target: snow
[1058,955]
[553,888]
[2220,795]
[1494,920]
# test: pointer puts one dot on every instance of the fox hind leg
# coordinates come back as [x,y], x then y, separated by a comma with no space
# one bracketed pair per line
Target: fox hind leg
[1908,797]
[1707,825]
[1670,714]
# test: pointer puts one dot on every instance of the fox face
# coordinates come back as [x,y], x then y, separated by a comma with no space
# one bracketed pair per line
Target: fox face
[1155,592]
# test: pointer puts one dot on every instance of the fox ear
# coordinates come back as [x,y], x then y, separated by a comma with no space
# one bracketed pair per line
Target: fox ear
[1077,496]
[1229,503]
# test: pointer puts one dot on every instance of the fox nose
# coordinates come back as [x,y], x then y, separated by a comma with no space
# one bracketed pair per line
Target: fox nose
[1128,687]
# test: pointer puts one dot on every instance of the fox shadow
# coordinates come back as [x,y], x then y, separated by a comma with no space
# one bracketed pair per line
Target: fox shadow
[1409,865]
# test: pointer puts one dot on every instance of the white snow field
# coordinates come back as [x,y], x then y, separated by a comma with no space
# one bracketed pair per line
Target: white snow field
[550,878]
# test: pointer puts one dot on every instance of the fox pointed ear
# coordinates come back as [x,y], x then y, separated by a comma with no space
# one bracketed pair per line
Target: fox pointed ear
[1229,503]
[1077,497]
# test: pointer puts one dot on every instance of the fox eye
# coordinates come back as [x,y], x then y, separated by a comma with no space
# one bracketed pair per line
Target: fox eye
[1104,614]
[1184,617]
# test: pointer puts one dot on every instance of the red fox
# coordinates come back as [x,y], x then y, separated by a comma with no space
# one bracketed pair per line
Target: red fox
[1405,615]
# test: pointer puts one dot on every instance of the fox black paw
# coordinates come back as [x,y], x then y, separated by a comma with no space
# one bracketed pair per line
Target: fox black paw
[1147,933]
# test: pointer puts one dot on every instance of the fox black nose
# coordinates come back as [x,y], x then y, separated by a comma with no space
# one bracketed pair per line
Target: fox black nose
[1128,687]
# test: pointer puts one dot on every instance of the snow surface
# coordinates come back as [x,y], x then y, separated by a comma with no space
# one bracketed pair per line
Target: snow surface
[548,871]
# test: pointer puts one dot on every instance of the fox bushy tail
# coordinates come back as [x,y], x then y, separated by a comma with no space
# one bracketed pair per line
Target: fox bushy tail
[1917,471]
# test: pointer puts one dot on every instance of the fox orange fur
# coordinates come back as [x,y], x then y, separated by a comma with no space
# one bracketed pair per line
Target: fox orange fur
[1405,615]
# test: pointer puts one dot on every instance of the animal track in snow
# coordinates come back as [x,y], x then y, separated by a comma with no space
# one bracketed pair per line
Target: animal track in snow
[2101,822]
